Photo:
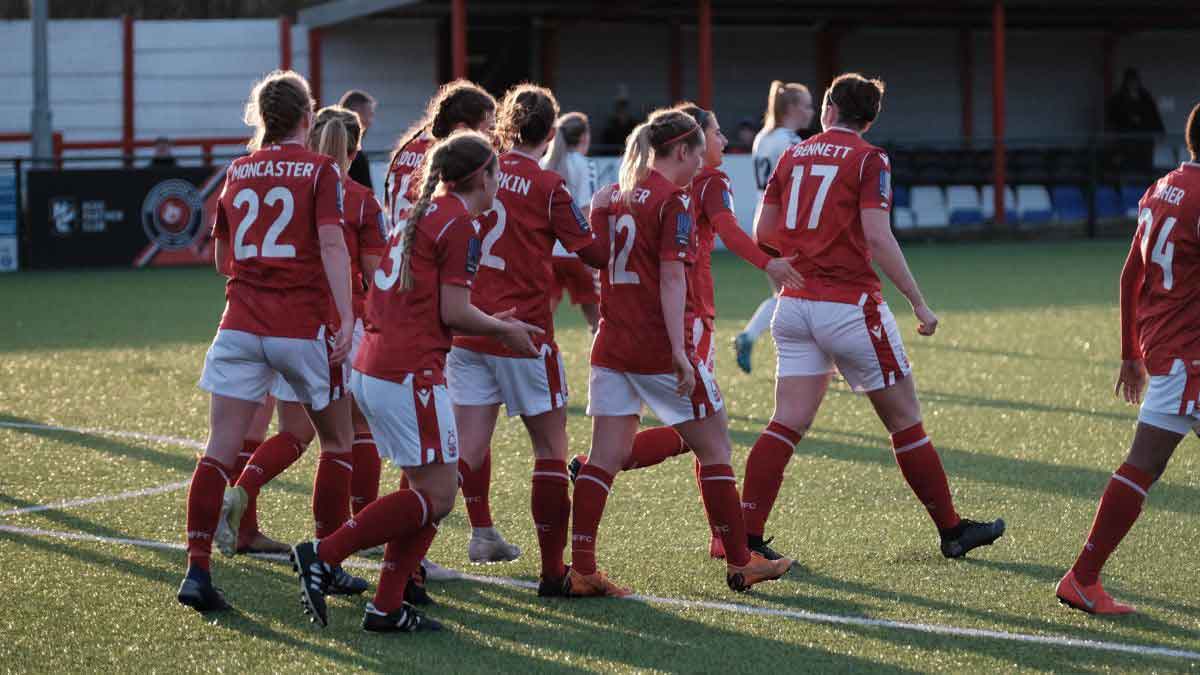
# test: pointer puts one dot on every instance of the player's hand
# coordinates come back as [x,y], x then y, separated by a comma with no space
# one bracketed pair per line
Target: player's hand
[1131,381]
[783,274]
[342,340]
[517,334]
[928,320]
[685,374]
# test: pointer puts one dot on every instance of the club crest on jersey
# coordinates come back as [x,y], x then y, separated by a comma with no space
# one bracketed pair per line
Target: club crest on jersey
[683,229]
[474,249]
[171,214]
[583,223]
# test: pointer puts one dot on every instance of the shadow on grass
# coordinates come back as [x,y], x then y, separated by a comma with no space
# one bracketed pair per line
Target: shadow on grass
[180,464]
[165,583]
[1048,576]
[1024,474]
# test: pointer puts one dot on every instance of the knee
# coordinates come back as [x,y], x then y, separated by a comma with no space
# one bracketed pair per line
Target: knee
[441,503]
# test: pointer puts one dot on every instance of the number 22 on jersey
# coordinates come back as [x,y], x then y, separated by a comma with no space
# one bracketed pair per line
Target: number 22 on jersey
[271,248]
[1163,252]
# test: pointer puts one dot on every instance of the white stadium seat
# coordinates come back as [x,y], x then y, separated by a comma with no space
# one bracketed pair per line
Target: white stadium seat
[1033,204]
[928,204]
[903,217]
[962,205]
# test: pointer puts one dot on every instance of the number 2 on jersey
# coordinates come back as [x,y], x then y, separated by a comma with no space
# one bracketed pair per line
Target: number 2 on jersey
[1163,252]
[489,259]
[618,271]
[271,248]
[827,173]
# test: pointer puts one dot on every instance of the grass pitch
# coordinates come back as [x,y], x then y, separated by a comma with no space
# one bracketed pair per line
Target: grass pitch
[1017,396]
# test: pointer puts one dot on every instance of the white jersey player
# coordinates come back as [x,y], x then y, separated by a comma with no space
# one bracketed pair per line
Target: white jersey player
[789,108]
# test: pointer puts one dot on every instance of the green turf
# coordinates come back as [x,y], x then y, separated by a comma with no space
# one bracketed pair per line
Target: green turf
[1017,394]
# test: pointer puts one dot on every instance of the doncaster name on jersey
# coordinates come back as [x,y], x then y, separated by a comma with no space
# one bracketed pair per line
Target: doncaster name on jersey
[280,168]
[410,159]
[822,149]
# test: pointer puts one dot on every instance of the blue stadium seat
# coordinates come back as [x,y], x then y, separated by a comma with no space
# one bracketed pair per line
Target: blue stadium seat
[1130,195]
[988,201]
[900,197]
[962,203]
[1069,205]
[1107,202]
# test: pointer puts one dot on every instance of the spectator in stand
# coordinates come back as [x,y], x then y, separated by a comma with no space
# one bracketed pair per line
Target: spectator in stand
[364,104]
[1132,110]
[163,158]
[743,139]
[620,123]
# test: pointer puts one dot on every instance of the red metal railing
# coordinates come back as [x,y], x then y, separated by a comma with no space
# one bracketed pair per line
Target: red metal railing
[62,146]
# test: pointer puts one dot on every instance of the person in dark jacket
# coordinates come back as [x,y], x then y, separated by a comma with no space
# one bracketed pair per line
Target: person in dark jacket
[364,104]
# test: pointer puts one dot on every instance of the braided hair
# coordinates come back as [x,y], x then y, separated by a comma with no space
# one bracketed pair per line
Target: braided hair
[458,162]
[277,104]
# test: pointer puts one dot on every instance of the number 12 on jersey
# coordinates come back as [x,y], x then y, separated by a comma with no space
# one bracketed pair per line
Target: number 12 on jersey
[826,172]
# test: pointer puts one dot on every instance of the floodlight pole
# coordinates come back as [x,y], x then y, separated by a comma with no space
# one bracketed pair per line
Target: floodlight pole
[41,122]
[998,152]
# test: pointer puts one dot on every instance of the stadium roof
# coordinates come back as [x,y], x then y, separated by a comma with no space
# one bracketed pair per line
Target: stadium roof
[1117,15]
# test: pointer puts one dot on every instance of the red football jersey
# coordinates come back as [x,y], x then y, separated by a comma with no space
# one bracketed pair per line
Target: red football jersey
[714,197]
[1161,312]
[366,232]
[268,214]
[404,333]
[401,190]
[658,226]
[532,210]
[820,186]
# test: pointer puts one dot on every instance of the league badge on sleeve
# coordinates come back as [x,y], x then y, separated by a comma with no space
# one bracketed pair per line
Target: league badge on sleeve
[683,229]
[727,199]
[474,249]
[583,223]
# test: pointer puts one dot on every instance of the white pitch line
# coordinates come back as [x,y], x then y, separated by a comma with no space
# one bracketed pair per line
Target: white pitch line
[798,615]
[69,503]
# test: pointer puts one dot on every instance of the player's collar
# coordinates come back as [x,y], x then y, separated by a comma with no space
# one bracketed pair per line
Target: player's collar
[526,155]
[1190,165]
[841,128]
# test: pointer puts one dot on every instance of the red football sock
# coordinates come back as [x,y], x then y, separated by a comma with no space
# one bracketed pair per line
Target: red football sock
[249,525]
[719,489]
[331,492]
[364,481]
[551,506]
[654,446]
[393,516]
[248,447]
[400,561]
[1119,508]
[592,486]
[922,469]
[476,484]
[269,460]
[764,474]
[204,508]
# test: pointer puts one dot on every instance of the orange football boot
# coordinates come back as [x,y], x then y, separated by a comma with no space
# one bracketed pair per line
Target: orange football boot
[1091,599]
[593,586]
[759,569]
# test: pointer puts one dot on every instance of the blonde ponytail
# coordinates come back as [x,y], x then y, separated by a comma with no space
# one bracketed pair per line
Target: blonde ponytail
[334,142]
[636,162]
[781,96]
[556,156]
